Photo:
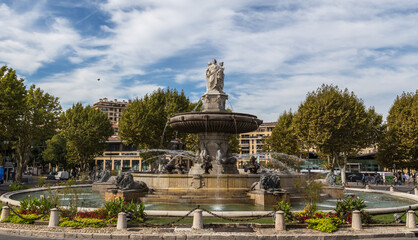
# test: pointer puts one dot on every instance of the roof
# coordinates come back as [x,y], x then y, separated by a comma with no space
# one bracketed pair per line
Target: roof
[268,124]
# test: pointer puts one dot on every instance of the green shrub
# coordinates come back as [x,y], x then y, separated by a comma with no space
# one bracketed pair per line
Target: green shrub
[311,190]
[16,187]
[38,206]
[119,205]
[322,224]
[16,219]
[285,207]
[348,204]
[83,222]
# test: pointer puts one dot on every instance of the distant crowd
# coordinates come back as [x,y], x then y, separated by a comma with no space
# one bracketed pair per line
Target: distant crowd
[399,178]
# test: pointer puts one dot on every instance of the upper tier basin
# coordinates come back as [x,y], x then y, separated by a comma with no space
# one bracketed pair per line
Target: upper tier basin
[226,122]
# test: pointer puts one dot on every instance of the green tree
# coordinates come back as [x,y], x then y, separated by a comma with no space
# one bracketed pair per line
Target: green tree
[12,101]
[56,151]
[37,122]
[145,121]
[400,143]
[283,139]
[337,124]
[86,131]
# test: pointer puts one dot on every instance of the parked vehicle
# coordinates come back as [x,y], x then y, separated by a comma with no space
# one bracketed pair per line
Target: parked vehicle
[62,175]
[51,175]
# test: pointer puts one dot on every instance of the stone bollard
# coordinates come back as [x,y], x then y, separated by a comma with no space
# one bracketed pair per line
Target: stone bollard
[367,187]
[391,189]
[280,224]
[416,191]
[410,222]
[122,222]
[197,219]
[5,213]
[54,218]
[356,220]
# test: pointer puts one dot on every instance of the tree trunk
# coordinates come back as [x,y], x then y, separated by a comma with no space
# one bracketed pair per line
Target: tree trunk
[343,170]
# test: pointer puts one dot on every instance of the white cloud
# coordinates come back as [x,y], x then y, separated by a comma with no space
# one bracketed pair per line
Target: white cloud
[274,53]
[25,46]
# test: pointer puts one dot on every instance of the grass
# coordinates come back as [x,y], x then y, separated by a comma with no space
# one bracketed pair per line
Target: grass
[388,218]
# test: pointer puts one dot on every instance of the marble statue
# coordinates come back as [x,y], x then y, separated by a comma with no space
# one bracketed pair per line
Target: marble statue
[207,164]
[331,179]
[170,166]
[252,166]
[215,77]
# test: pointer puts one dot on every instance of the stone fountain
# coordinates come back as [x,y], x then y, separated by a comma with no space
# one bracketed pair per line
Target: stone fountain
[214,125]
[214,177]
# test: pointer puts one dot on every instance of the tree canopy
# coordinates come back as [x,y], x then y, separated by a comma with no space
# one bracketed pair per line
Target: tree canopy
[144,121]
[56,151]
[86,131]
[283,139]
[336,123]
[27,116]
[400,143]
[12,101]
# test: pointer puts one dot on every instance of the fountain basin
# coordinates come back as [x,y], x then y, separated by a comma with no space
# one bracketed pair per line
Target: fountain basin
[391,201]
[225,122]
[209,188]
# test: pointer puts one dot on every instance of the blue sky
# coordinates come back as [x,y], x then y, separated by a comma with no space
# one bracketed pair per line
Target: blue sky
[274,51]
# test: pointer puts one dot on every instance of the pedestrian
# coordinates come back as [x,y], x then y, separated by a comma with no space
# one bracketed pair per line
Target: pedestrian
[407,178]
[363,179]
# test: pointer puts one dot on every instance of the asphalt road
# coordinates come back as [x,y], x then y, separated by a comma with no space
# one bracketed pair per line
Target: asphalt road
[6,237]
[11,237]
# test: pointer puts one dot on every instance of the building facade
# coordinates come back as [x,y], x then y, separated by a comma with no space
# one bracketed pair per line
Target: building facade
[252,142]
[113,109]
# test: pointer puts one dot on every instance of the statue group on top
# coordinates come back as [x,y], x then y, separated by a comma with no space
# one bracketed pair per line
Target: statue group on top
[215,77]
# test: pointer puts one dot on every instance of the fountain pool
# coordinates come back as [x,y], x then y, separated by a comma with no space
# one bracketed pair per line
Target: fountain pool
[89,199]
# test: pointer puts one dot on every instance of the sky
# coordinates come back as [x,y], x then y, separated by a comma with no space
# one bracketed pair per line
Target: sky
[274,52]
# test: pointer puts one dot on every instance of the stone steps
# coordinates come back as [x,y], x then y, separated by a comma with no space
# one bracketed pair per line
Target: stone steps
[199,200]
[192,197]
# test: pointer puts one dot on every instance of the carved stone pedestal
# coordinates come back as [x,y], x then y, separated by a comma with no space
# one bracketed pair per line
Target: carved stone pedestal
[214,102]
[129,195]
[265,198]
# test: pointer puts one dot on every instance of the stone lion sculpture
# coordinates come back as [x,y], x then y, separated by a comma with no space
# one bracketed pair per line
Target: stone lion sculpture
[270,182]
[126,182]
[103,176]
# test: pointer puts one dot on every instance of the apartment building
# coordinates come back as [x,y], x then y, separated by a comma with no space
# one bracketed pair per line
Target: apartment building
[113,109]
[252,142]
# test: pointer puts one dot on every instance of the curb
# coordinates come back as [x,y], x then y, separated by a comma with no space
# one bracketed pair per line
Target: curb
[205,236]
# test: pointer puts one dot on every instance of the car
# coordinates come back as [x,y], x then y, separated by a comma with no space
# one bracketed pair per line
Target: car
[62,175]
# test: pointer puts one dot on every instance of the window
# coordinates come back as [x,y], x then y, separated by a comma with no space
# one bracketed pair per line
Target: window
[135,165]
[116,164]
[126,163]
[99,165]
[109,165]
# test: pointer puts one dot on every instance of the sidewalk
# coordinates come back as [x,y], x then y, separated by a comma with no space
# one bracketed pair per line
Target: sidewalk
[187,233]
